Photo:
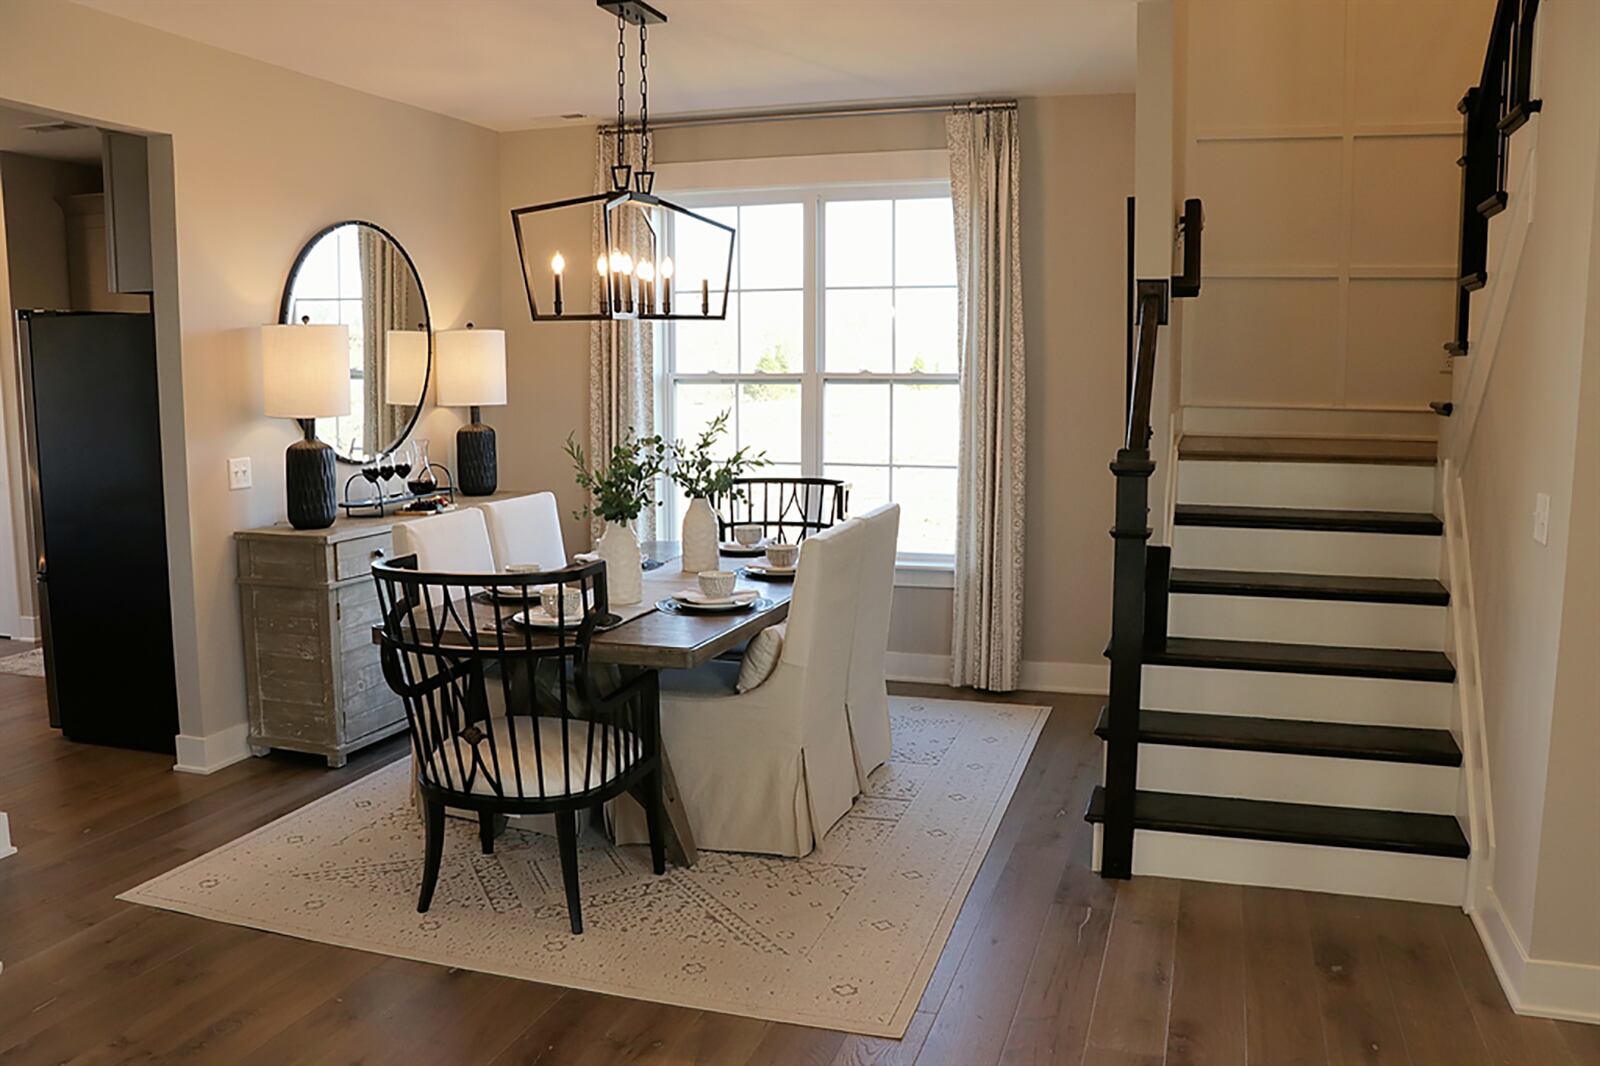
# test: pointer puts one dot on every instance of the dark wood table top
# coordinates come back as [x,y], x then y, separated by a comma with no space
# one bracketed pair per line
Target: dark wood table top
[670,641]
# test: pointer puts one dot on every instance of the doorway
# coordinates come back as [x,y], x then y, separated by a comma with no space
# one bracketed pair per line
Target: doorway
[80,424]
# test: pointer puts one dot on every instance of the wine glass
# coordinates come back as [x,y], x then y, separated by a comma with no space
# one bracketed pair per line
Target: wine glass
[403,461]
[385,470]
[369,471]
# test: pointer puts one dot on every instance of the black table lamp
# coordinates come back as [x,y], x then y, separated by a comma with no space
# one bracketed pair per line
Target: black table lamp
[472,373]
[305,374]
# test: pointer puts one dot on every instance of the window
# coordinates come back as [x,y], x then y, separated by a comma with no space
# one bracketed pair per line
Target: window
[328,291]
[838,356]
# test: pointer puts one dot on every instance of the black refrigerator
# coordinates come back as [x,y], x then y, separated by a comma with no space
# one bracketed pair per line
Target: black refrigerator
[94,454]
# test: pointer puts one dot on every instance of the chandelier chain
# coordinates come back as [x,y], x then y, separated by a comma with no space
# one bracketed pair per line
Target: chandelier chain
[644,97]
[622,83]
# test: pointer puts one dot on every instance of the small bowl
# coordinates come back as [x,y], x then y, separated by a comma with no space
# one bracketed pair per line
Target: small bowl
[782,556]
[748,535]
[717,583]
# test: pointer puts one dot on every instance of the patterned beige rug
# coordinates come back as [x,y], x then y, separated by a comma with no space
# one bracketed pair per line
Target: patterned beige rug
[845,938]
[27,663]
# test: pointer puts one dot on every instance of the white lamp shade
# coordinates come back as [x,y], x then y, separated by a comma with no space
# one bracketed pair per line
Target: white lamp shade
[407,353]
[472,367]
[305,371]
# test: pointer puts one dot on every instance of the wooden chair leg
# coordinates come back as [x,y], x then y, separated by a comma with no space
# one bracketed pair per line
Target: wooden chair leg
[567,842]
[652,820]
[490,825]
[433,819]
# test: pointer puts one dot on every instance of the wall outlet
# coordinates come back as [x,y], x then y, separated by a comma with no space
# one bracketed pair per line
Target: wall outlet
[238,473]
[1541,518]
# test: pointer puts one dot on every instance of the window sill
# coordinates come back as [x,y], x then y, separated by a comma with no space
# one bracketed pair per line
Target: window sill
[925,576]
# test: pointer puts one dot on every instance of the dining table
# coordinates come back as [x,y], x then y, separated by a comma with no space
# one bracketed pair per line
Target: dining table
[654,639]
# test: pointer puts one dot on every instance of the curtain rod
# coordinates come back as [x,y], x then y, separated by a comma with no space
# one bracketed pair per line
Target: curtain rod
[739,117]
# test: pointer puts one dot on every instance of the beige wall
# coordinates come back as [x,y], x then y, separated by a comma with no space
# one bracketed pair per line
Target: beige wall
[1322,136]
[1538,606]
[261,158]
[1078,169]
[36,227]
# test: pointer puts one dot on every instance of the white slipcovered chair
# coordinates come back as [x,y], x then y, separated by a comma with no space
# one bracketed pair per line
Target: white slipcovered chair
[771,770]
[867,694]
[526,529]
[456,542]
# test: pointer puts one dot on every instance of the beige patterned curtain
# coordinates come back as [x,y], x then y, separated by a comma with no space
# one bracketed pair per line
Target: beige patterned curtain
[385,305]
[984,164]
[621,354]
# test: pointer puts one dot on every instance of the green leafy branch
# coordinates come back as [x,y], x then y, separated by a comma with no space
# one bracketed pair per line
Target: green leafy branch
[700,475]
[627,484]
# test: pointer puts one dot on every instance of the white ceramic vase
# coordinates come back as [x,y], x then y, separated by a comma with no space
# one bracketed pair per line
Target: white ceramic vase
[619,548]
[700,550]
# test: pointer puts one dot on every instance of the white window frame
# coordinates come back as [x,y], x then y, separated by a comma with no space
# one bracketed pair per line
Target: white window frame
[862,176]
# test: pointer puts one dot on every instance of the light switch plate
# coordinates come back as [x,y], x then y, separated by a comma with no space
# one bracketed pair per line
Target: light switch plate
[239,473]
[1541,518]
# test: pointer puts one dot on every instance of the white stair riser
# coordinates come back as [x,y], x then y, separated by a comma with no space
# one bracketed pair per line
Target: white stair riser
[1346,486]
[1355,625]
[1309,697]
[1300,551]
[1307,867]
[1332,782]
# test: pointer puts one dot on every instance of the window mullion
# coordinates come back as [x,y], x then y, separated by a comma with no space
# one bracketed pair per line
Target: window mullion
[811,314]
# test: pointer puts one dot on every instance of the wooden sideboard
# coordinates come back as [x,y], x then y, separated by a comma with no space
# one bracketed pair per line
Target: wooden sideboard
[308,604]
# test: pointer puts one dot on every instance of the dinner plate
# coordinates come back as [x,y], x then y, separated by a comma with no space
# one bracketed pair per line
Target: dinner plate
[732,547]
[539,620]
[696,598]
[671,606]
[769,573]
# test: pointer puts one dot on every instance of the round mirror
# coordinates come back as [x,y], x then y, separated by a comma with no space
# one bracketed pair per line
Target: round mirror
[356,274]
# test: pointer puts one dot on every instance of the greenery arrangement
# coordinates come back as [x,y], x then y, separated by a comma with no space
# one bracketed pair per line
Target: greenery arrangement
[701,475]
[627,484]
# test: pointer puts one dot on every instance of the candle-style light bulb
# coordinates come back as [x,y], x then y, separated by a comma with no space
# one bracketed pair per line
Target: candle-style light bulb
[666,284]
[602,266]
[557,265]
[647,286]
[624,265]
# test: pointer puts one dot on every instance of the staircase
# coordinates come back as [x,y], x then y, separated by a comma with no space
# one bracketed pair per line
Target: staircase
[1292,727]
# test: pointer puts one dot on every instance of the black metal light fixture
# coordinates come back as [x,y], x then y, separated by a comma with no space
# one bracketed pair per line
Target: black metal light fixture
[637,279]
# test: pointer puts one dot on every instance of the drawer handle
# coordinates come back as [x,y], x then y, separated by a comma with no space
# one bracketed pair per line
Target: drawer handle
[377,553]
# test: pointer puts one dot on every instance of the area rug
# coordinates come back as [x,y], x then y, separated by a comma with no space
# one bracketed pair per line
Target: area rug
[844,939]
[26,664]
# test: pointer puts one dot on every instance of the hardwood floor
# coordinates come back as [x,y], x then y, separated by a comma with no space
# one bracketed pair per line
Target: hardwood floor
[1046,964]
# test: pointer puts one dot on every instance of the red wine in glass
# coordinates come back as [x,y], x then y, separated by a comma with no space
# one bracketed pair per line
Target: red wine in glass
[370,472]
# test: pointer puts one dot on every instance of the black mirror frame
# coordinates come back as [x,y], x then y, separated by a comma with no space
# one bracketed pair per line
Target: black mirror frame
[427,318]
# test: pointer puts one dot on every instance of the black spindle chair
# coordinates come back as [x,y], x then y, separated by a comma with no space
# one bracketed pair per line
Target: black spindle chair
[787,508]
[556,743]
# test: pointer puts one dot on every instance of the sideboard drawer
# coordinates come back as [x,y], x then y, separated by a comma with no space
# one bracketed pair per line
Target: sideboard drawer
[353,558]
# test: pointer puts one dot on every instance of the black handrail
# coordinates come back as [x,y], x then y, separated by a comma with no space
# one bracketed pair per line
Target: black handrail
[1139,571]
[1492,110]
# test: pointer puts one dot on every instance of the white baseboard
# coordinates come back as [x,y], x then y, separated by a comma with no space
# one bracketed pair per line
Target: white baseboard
[6,847]
[1543,988]
[1088,678]
[210,753]
[27,628]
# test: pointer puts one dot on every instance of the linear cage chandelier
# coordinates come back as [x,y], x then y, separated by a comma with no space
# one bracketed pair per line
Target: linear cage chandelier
[657,260]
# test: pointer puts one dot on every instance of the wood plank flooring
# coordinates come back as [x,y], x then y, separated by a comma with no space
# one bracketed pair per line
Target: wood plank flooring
[1047,964]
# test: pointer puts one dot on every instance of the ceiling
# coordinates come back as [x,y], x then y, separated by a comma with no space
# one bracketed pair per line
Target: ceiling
[516,64]
[74,146]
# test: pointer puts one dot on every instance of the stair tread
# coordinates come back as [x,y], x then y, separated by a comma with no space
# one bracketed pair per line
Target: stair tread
[1296,823]
[1400,663]
[1277,584]
[1410,523]
[1259,449]
[1289,736]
